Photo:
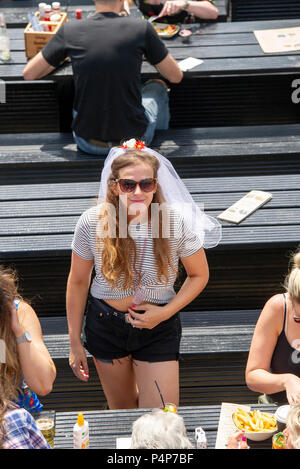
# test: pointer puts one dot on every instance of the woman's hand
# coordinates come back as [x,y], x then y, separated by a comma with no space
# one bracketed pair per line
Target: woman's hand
[152,316]
[17,328]
[172,7]
[78,362]
[237,441]
[292,387]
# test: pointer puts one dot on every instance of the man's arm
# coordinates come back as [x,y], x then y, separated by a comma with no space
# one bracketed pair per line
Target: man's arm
[37,68]
[169,69]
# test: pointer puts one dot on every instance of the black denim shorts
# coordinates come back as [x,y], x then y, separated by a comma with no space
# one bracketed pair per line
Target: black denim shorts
[108,336]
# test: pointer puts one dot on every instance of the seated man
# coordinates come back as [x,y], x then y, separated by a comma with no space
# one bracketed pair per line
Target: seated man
[106,51]
[179,11]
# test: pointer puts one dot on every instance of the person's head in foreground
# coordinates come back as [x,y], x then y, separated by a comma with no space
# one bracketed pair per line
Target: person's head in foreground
[159,430]
[292,430]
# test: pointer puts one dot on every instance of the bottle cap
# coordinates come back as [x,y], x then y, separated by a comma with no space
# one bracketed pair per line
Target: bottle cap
[55,5]
[80,419]
[78,13]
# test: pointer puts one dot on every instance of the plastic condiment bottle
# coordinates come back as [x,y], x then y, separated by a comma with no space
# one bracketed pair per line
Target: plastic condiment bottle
[47,12]
[81,433]
[42,8]
[56,7]
[55,15]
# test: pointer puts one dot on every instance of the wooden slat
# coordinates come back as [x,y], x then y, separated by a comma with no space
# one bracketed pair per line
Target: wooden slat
[244,150]
[249,10]
[208,201]
[216,185]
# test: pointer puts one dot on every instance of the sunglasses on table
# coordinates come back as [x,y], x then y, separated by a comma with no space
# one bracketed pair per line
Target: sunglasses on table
[129,185]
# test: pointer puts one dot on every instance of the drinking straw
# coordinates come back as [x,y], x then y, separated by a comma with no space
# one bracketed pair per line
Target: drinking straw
[160,393]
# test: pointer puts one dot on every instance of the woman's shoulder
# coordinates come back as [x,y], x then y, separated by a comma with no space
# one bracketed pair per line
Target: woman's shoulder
[91,212]
[89,217]
[273,311]
[276,302]
[22,431]
[16,417]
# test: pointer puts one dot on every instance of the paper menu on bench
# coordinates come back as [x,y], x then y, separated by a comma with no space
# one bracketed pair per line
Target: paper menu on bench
[278,40]
[189,63]
[226,426]
[245,206]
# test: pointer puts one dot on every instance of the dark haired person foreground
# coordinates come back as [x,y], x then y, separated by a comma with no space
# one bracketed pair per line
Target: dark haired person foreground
[273,366]
[106,51]
[24,356]
[132,324]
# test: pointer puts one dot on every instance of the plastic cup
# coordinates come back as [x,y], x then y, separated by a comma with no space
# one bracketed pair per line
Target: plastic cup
[281,416]
[169,407]
[185,34]
[46,424]
[279,441]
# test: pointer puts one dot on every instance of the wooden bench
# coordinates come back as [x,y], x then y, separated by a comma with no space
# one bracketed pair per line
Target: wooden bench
[214,352]
[237,84]
[227,151]
[255,10]
[106,426]
[247,267]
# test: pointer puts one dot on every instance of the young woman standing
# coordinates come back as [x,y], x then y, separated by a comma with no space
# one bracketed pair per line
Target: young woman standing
[132,327]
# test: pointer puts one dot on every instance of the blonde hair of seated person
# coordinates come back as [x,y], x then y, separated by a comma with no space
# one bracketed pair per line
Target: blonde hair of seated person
[292,281]
[293,425]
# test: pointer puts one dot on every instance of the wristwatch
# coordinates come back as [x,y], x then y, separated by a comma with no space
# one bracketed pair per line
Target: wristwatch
[26,337]
[186,5]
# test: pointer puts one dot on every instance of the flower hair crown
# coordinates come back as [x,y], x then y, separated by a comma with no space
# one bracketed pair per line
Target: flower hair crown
[133,144]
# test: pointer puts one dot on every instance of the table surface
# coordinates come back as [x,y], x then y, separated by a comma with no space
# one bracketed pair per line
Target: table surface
[225,48]
[106,426]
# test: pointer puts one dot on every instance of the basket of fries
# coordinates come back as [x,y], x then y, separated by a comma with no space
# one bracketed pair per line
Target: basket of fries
[257,425]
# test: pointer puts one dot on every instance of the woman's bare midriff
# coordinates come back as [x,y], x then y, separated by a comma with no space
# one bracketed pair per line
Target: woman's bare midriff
[120,305]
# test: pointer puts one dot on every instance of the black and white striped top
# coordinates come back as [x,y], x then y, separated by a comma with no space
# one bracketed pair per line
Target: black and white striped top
[84,244]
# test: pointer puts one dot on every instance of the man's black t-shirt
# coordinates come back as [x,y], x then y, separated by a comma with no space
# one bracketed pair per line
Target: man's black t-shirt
[106,51]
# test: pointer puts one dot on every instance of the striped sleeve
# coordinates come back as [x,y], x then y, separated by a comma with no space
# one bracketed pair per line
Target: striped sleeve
[189,242]
[81,243]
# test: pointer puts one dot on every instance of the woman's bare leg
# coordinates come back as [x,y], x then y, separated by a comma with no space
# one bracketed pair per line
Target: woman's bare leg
[118,383]
[167,376]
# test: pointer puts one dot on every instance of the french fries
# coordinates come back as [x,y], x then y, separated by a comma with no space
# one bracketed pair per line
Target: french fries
[254,421]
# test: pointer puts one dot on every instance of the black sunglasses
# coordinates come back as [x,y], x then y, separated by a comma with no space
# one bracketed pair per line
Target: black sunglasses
[129,185]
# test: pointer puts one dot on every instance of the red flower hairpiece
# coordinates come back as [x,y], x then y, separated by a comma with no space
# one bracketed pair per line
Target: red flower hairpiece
[133,144]
[140,145]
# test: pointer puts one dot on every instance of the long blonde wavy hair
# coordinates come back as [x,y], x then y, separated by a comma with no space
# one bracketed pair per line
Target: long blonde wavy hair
[119,255]
[10,371]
